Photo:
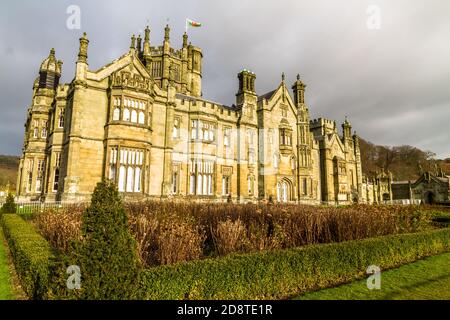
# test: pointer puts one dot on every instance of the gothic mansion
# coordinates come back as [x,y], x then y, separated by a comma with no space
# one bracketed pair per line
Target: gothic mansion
[141,121]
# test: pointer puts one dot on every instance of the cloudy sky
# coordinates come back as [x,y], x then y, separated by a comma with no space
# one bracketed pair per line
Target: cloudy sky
[393,82]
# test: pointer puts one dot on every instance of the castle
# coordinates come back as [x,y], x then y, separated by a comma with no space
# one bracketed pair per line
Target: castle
[142,122]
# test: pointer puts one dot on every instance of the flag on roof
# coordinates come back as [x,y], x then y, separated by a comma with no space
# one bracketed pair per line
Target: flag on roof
[193,23]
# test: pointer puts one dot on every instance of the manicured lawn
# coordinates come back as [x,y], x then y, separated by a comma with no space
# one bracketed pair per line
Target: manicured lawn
[427,279]
[422,280]
[5,280]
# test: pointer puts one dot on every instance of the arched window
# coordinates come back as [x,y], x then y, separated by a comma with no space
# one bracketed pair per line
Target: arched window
[199,184]
[126,114]
[285,191]
[141,117]
[205,184]
[134,116]
[122,179]
[278,192]
[137,180]
[56,180]
[61,120]
[116,114]
[192,184]
[130,179]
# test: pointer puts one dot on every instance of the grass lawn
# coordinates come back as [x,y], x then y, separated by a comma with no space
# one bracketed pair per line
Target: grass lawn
[422,280]
[5,280]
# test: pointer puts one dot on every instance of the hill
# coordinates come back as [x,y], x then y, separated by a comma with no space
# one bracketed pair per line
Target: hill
[405,162]
[8,171]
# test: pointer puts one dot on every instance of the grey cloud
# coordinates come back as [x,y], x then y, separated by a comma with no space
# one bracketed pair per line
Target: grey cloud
[392,83]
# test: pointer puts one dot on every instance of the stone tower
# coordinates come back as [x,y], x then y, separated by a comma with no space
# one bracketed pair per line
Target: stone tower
[30,180]
[247,127]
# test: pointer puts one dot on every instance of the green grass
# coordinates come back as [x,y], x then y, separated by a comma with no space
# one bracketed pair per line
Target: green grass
[5,280]
[427,279]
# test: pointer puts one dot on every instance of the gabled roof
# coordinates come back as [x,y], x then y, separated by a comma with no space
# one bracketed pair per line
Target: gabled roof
[118,64]
[267,95]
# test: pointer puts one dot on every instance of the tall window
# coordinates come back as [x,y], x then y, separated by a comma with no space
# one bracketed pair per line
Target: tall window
[227,137]
[285,137]
[56,172]
[44,130]
[30,165]
[40,175]
[129,165]
[175,178]
[56,180]
[141,117]
[225,185]
[126,114]
[116,114]
[134,116]
[305,186]
[61,119]
[35,133]
[201,173]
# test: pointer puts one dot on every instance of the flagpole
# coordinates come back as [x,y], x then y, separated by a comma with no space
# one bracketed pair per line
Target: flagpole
[186,26]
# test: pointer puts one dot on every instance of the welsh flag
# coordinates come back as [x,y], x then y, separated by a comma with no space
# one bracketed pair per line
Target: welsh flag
[193,23]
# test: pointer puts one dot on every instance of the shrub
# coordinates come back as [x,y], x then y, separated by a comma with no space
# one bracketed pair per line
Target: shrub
[230,236]
[9,206]
[107,254]
[286,273]
[169,232]
[31,253]
[167,239]
[59,228]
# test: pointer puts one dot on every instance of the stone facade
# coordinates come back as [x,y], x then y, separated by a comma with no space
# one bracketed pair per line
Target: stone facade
[142,122]
[429,188]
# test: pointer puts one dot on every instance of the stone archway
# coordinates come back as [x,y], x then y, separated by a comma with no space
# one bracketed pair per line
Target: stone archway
[284,191]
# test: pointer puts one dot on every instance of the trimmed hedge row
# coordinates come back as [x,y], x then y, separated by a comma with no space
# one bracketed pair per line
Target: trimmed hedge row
[286,273]
[32,255]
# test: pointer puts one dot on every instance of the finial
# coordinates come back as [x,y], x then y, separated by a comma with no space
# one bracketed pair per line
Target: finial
[52,51]
[298,76]
[133,42]
[166,33]
[185,39]
[282,77]
[147,34]
[139,43]
[82,53]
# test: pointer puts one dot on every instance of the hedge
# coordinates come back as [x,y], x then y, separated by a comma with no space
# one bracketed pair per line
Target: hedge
[263,275]
[31,253]
[286,273]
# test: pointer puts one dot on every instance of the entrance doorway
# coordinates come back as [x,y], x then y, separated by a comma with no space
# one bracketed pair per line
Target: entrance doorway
[429,198]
